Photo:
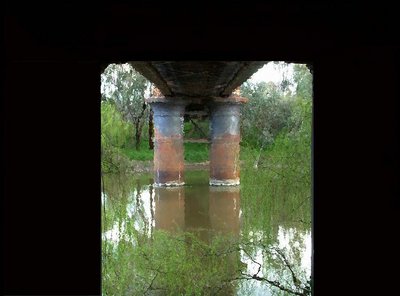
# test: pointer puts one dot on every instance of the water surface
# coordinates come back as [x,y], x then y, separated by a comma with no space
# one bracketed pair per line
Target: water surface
[252,239]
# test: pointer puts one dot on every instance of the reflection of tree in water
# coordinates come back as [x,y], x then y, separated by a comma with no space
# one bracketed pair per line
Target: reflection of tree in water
[277,261]
[140,210]
[151,207]
[278,265]
[124,211]
[281,202]
[116,190]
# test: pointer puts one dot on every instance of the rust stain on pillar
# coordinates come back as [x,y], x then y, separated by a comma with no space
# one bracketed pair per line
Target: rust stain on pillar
[168,160]
[225,160]
[168,142]
[225,141]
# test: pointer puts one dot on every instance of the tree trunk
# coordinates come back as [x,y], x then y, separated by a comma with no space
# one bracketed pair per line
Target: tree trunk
[139,126]
[137,140]
[137,135]
[151,130]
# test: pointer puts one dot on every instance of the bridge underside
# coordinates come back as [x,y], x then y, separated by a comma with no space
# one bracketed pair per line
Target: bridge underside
[197,79]
[197,86]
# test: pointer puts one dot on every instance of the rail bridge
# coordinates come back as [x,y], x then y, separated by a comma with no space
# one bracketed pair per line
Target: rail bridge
[196,86]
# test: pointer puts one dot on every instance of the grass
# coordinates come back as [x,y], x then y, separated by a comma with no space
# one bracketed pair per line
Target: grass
[196,152]
[143,154]
[193,152]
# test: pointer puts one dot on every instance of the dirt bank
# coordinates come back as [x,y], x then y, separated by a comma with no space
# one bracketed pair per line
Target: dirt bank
[147,166]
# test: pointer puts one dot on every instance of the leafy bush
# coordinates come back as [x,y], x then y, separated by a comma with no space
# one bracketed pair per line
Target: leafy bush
[115,134]
[265,115]
[274,109]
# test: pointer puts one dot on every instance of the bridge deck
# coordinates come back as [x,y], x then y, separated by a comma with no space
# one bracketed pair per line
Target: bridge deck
[197,78]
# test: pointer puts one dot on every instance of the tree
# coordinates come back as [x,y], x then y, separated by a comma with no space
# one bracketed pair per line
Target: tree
[115,132]
[125,88]
[266,113]
[303,79]
[302,99]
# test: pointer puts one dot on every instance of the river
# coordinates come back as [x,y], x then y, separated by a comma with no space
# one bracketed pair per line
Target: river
[251,239]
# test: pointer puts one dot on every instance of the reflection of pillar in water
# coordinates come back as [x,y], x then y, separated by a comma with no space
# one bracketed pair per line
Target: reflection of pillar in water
[197,219]
[169,208]
[225,221]
[224,209]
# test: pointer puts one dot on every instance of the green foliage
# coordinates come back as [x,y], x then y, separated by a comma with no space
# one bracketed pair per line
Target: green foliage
[303,79]
[285,170]
[143,154]
[285,164]
[286,194]
[179,264]
[126,88]
[265,115]
[115,134]
[273,109]
[197,265]
[196,129]
[114,130]
[196,152]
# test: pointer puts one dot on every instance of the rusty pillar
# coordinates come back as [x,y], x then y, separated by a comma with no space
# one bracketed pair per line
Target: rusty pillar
[225,139]
[168,142]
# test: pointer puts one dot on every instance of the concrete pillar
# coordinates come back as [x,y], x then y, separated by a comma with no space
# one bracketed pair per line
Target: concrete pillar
[225,139]
[168,141]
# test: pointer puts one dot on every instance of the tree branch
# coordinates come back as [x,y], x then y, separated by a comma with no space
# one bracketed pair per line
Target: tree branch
[251,258]
[288,265]
[151,284]
[198,128]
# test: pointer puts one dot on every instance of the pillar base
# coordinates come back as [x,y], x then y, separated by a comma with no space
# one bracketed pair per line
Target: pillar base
[170,184]
[228,182]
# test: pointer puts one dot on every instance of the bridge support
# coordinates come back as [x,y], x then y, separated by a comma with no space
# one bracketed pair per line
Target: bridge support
[168,141]
[225,139]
